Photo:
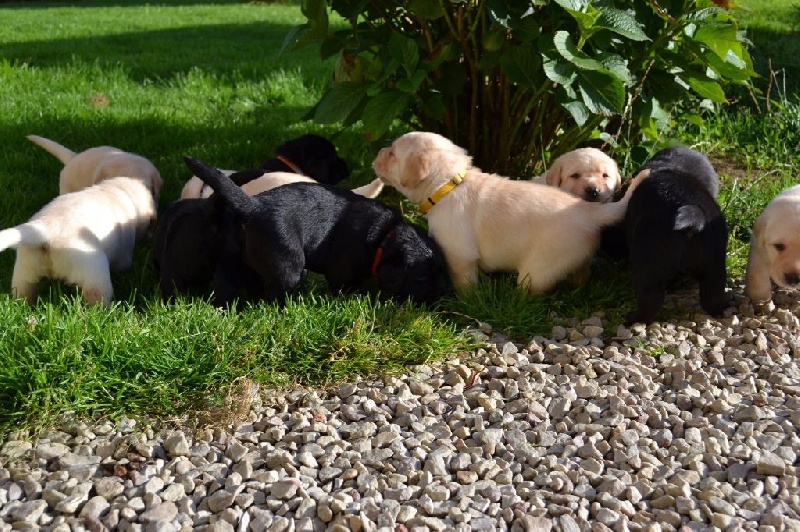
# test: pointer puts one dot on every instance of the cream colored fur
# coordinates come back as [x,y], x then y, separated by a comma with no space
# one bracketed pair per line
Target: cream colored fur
[92,166]
[195,188]
[586,172]
[493,223]
[79,237]
[775,247]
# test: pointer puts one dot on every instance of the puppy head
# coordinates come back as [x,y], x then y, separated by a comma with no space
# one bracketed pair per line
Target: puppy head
[777,231]
[685,160]
[587,173]
[412,266]
[417,159]
[316,157]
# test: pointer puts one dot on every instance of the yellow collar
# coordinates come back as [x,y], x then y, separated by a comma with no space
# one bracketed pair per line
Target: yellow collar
[443,191]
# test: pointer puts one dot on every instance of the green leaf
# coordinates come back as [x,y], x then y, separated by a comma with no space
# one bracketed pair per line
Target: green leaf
[411,84]
[578,111]
[339,102]
[618,66]
[602,92]
[584,14]
[520,64]
[720,39]
[559,71]
[404,51]
[381,111]
[621,23]
[571,53]
[704,86]
[426,9]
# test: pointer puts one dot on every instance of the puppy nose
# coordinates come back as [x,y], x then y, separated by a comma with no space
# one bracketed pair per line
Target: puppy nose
[791,278]
[592,192]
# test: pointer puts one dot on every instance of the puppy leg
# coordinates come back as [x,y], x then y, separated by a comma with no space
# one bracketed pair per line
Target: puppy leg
[27,274]
[758,284]
[541,272]
[463,272]
[711,278]
[90,271]
[649,292]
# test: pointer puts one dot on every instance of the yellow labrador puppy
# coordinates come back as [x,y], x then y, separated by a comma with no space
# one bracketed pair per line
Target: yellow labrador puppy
[775,247]
[586,172]
[79,237]
[91,166]
[493,223]
[195,188]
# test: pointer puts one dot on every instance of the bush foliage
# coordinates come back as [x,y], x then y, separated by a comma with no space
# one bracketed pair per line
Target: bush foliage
[519,81]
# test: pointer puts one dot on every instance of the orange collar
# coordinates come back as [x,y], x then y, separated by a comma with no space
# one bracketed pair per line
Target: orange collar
[296,169]
[379,253]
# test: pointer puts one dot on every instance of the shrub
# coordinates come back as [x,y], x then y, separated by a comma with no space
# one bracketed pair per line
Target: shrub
[519,81]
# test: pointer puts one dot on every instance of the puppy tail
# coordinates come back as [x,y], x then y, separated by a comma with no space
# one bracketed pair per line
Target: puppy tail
[240,202]
[370,190]
[63,154]
[21,234]
[614,212]
[690,218]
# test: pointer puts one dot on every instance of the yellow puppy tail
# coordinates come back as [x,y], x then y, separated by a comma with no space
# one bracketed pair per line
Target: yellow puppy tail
[64,154]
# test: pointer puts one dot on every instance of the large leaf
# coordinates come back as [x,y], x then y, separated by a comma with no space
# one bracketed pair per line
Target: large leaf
[570,52]
[578,111]
[426,9]
[584,13]
[703,85]
[404,51]
[602,92]
[521,65]
[559,71]
[620,22]
[722,40]
[339,102]
[381,111]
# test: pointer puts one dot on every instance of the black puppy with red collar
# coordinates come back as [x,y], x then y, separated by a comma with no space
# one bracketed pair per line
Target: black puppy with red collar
[343,236]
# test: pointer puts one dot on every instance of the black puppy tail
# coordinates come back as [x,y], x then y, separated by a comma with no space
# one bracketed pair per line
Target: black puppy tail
[242,204]
[690,218]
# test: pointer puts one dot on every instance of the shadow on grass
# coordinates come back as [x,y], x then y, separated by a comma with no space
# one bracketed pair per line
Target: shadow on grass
[249,51]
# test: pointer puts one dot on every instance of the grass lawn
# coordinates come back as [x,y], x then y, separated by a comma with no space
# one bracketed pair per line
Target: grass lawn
[207,80]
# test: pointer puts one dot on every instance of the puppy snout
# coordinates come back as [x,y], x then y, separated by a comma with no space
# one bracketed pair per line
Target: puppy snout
[592,193]
[791,278]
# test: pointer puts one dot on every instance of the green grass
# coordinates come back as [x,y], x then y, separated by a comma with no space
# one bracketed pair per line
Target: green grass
[207,80]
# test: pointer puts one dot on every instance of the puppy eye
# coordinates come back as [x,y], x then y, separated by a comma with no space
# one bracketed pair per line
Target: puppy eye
[605,174]
[780,246]
[576,175]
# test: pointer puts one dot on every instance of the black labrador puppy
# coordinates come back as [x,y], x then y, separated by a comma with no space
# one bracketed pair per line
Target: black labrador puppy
[311,155]
[192,234]
[673,226]
[343,236]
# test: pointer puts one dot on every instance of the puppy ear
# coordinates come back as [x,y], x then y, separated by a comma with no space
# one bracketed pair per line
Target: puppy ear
[553,176]
[419,167]
[617,178]
[757,277]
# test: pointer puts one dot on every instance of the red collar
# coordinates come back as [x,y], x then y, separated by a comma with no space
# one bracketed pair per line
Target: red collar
[296,169]
[379,254]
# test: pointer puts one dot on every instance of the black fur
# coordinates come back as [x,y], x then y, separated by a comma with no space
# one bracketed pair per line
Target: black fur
[673,225]
[333,232]
[194,235]
[313,155]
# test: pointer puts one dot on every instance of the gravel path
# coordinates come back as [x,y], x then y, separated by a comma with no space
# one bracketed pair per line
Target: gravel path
[684,425]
